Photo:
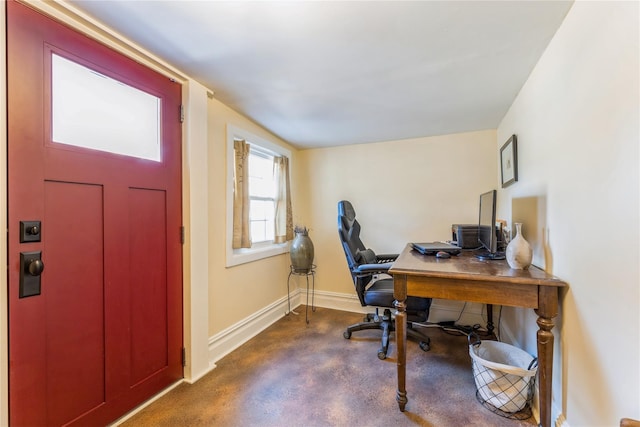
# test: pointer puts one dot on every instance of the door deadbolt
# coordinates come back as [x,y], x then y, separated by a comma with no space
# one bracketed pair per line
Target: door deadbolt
[30,231]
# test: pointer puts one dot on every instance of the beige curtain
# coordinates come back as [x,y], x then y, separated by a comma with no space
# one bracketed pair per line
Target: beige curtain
[241,234]
[284,218]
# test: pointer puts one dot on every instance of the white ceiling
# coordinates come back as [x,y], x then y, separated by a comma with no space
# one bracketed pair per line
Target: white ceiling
[327,73]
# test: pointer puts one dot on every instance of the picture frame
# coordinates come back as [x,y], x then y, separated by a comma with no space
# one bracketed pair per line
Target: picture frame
[509,161]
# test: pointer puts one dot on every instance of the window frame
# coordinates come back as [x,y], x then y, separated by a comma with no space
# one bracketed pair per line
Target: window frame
[260,250]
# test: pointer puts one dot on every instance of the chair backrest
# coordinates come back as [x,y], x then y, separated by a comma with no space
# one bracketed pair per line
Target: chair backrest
[349,232]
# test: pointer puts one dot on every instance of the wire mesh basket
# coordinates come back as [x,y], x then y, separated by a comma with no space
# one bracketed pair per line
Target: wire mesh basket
[504,376]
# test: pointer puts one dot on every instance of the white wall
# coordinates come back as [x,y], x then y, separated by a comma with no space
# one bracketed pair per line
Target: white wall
[237,292]
[577,121]
[402,191]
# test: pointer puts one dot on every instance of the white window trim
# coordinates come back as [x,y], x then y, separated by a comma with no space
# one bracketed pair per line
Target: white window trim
[261,250]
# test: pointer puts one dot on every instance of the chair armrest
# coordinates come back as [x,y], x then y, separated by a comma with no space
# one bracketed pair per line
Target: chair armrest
[367,269]
[386,258]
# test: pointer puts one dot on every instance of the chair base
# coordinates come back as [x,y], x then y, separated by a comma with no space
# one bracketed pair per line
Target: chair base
[386,323]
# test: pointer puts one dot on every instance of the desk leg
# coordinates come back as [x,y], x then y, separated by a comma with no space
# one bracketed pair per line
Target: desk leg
[490,326]
[548,309]
[400,294]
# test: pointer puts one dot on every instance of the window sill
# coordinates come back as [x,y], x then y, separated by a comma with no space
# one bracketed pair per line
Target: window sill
[243,256]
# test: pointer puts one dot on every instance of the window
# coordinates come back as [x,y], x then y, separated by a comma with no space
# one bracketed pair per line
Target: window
[121,120]
[262,196]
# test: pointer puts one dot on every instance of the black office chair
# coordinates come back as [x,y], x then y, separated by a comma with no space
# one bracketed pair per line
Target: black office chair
[374,287]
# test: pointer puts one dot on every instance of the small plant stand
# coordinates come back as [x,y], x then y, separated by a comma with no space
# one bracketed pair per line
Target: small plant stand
[310,272]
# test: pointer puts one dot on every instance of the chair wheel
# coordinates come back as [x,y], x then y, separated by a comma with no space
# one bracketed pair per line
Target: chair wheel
[424,346]
[382,355]
[346,335]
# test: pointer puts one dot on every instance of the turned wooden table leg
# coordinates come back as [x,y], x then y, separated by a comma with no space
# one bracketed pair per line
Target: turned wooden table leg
[490,326]
[400,294]
[548,309]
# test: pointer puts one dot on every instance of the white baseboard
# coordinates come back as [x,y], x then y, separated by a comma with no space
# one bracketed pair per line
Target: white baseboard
[234,336]
[210,367]
[336,301]
[226,341]
[441,310]
[459,311]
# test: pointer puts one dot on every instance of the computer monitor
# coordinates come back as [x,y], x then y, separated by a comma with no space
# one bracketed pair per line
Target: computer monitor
[487,236]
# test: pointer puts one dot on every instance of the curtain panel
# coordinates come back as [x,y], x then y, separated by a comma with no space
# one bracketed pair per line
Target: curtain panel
[241,230]
[283,217]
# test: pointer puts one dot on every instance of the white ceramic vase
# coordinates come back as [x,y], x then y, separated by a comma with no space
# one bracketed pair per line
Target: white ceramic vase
[519,252]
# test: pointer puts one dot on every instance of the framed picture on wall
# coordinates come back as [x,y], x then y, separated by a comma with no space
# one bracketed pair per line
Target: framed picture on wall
[509,162]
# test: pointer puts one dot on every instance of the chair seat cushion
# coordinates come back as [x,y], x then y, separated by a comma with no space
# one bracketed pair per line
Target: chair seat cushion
[380,294]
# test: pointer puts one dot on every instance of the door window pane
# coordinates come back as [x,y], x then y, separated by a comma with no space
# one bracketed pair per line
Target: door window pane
[94,111]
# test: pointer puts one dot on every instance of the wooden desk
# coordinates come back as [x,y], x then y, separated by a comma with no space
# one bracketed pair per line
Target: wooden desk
[466,278]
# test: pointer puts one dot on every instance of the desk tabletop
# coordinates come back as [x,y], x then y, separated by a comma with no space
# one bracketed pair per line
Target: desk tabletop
[467,267]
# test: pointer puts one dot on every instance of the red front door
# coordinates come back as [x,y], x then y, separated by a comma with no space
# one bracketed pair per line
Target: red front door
[95,273]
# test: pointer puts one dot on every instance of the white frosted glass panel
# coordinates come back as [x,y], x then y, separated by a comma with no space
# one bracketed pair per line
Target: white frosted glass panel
[95,111]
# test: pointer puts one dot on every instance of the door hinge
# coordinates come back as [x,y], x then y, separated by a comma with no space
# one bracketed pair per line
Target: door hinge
[184,357]
[182,232]
[182,114]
